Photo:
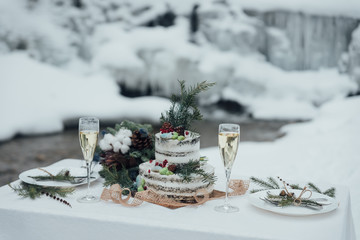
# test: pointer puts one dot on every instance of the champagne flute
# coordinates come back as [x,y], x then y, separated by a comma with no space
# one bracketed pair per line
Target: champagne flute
[88,136]
[229,138]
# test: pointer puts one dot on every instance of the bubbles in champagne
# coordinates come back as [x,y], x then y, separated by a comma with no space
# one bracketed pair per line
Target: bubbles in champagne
[228,145]
[88,142]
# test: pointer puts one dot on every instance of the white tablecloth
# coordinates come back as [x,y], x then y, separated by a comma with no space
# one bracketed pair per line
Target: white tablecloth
[45,218]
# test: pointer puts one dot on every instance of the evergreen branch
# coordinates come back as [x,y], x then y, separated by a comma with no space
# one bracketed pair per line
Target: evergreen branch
[132,126]
[273,182]
[193,167]
[63,175]
[330,192]
[314,188]
[32,191]
[112,176]
[296,187]
[257,190]
[184,110]
[261,183]
[284,201]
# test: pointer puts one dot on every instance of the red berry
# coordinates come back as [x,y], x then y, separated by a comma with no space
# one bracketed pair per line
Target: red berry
[151,161]
[160,165]
[164,164]
[149,171]
[187,133]
[145,187]
[165,161]
[156,164]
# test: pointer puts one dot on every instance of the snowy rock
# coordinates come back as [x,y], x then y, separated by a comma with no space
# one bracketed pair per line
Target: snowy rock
[354,56]
[315,41]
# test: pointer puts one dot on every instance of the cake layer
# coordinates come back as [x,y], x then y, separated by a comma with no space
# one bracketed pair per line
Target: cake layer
[175,151]
[173,185]
[177,158]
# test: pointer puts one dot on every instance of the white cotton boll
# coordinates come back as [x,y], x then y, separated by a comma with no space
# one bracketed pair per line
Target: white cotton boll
[117,146]
[109,138]
[104,145]
[126,141]
[125,132]
[124,149]
[119,137]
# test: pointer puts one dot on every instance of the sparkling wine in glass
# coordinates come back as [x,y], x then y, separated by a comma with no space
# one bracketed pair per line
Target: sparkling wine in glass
[229,138]
[88,136]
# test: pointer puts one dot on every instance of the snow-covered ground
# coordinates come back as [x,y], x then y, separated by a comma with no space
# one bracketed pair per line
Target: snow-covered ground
[324,150]
[37,98]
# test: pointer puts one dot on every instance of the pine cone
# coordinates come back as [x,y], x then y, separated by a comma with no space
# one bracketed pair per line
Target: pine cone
[166,128]
[141,141]
[172,167]
[180,130]
[118,160]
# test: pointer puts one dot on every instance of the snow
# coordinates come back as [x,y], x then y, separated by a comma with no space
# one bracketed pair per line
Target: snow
[324,151]
[37,98]
[349,8]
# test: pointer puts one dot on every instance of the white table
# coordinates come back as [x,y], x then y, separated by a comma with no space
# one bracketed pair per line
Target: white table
[45,218]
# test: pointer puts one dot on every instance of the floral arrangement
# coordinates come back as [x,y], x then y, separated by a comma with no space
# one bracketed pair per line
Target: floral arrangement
[122,149]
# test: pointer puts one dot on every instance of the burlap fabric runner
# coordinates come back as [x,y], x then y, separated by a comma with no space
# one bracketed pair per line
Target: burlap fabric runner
[114,194]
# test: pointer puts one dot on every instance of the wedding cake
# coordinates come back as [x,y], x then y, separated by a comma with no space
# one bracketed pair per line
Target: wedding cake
[173,154]
[178,170]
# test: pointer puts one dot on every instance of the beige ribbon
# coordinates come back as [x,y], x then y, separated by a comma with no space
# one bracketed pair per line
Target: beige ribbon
[115,194]
[41,169]
[297,201]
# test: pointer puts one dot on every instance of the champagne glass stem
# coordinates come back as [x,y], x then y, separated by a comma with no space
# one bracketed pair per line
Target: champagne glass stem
[88,178]
[227,172]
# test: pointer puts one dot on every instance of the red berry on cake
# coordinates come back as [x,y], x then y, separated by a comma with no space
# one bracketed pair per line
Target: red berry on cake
[187,133]
[156,164]
[149,171]
[151,161]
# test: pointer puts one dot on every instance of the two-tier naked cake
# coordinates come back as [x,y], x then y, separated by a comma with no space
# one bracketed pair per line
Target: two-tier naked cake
[178,171]
[175,153]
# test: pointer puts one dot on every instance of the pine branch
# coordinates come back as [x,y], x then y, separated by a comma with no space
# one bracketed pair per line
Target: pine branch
[296,187]
[314,188]
[63,175]
[193,167]
[132,126]
[273,182]
[257,190]
[184,110]
[262,183]
[32,191]
[112,176]
[330,192]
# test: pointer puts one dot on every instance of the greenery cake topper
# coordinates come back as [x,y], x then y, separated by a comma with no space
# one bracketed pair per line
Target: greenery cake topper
[183,110]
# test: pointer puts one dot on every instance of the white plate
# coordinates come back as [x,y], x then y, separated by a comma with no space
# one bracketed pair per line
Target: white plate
[255,200]
[74,171]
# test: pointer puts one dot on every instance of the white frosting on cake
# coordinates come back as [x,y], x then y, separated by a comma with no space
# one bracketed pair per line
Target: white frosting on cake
[175,151]
[173,184]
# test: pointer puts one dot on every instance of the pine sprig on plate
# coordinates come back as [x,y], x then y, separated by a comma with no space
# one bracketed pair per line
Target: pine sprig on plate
[264,184]
[272,184]
[285,201]
[63,175]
